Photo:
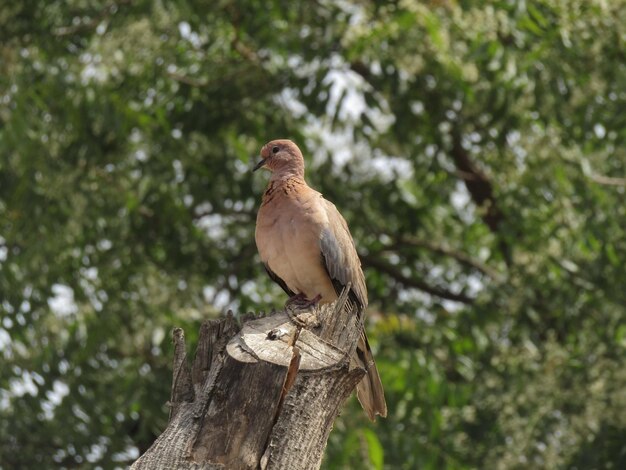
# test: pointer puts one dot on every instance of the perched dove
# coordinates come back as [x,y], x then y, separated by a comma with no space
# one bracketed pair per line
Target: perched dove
[307,249]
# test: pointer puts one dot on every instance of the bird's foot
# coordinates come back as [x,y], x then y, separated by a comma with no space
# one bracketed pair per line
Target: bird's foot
[302,312]
[300,302]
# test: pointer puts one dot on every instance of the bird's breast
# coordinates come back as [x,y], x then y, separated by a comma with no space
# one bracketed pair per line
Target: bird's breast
[288,240]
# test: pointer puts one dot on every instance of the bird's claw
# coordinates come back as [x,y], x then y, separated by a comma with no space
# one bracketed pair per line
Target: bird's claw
[302,311]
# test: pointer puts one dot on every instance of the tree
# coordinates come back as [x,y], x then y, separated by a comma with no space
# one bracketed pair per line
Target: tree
[263,396]
[476,149]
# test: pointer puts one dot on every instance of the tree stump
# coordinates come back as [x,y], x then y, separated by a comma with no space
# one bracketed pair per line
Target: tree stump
[263,396]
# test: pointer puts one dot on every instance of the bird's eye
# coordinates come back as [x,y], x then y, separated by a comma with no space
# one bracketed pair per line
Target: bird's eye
[275,149]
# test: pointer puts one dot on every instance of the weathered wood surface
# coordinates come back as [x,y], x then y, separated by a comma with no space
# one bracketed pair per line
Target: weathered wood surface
[252,398]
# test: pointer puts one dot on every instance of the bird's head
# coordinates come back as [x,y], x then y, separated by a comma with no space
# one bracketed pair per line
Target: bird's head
[281,157]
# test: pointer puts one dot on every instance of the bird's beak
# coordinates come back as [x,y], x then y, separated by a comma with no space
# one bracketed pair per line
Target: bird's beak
[259,165]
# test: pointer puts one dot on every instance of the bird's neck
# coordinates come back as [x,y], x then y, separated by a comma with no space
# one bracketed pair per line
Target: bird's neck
[286,174]
[284,187]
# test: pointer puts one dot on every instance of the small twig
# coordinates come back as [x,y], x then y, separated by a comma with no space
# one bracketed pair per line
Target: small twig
[93,22]
[608,180]
[296,334]
[585,167]
[194,82]
[182,387]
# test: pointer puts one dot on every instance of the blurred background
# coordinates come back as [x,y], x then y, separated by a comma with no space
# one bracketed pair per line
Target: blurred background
[476,149]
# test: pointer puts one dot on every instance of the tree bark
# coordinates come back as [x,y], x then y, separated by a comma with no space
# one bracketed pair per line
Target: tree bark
[261,397]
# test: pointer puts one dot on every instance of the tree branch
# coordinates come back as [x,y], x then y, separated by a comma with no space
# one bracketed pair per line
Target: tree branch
[481,191]
[396,274]
[452,253]
[477,183]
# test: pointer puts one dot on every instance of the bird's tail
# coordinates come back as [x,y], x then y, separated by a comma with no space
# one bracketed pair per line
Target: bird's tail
[369,390]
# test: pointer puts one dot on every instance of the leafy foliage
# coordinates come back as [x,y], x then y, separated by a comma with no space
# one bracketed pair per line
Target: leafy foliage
[476,149]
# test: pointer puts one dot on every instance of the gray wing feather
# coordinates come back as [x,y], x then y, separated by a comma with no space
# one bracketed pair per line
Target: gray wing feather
[340,257]
[342,263]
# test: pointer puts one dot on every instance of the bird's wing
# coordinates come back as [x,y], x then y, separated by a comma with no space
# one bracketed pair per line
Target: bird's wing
[274,277]
[339,255]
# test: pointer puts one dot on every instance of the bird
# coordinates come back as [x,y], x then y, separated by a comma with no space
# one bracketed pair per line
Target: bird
[307,249]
